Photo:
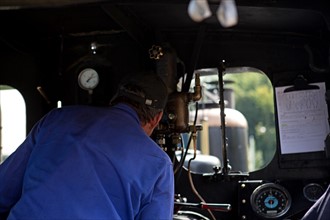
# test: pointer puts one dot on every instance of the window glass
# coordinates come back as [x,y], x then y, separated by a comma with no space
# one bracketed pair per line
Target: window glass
[249,117]
[12,120]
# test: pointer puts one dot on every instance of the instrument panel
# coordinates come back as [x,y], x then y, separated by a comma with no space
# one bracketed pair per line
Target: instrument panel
[261,199]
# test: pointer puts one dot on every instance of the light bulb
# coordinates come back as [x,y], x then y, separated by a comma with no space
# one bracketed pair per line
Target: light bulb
[198,10]
[227,13]
[94,46]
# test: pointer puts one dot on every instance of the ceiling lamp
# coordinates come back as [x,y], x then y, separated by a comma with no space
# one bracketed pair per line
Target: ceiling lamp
[227,13]
[199,10]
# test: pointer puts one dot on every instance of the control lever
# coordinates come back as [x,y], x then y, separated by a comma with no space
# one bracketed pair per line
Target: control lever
[221,207]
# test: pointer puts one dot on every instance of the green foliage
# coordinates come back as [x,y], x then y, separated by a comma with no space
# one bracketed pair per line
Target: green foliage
[254,99]
[5,87]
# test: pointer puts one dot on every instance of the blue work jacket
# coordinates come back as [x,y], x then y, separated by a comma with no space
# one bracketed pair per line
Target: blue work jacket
[83,162]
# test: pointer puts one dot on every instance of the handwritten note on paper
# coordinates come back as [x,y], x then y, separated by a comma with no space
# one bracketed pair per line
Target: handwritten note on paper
[303,119]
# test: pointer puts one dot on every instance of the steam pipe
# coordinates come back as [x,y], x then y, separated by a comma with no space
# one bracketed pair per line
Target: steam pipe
[312,62]
[197,95]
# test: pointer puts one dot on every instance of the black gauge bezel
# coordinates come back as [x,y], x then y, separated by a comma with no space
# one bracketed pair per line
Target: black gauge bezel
[264,188]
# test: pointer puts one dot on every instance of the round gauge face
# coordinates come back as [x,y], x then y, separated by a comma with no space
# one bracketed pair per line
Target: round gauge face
[88,79]
[270,200]
[313,191]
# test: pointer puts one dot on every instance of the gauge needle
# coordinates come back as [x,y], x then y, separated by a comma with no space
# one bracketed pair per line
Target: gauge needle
[90,78]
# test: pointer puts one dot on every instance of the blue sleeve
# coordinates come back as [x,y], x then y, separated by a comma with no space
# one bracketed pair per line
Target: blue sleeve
[162,202]
[12,171]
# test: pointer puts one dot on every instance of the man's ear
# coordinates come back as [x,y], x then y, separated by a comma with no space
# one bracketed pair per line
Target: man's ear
[154,122]
[148,127]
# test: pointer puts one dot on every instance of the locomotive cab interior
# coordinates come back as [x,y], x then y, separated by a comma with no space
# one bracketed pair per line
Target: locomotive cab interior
[246,123]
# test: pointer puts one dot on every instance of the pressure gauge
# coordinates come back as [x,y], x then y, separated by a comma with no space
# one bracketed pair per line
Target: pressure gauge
[270,200]
[313,191]
[88,79]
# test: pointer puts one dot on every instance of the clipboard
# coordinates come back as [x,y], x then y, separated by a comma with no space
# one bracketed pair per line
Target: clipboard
[302,117]
[301,83]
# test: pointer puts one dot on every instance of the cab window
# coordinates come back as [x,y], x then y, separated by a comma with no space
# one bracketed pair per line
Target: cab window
[249,117]
[12,120]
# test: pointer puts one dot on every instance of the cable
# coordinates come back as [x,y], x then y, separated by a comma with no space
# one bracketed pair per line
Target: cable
[194,135]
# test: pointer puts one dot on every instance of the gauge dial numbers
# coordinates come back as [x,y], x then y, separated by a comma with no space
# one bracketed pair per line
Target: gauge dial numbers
[270,200]
[88,79]
[313,191]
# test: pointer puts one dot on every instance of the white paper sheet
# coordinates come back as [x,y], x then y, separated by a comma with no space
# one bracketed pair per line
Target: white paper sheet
[303,119]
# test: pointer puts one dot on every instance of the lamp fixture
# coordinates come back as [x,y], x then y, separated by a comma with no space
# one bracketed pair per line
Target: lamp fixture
[199,10]
[227,13]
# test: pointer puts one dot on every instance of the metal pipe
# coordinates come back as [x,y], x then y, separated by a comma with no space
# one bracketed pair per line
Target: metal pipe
[221,70]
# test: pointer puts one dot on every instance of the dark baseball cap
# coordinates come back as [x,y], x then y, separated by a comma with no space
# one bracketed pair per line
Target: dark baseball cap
[153,87]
